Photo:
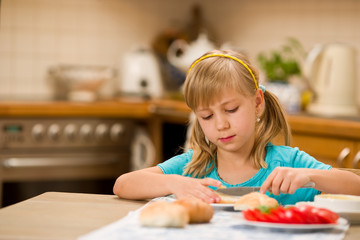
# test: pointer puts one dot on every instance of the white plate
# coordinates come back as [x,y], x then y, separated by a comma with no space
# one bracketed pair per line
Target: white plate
[352,217]
[287,226]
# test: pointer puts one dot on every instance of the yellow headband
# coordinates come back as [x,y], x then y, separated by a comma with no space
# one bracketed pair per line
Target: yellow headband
[226,56]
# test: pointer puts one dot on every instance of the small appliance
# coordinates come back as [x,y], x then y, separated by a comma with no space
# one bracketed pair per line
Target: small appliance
[141,74]
[331,70]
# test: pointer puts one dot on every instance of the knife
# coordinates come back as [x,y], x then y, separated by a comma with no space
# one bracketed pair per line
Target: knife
[239,191]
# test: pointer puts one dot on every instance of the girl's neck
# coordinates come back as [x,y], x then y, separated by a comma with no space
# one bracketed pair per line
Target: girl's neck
[235,168]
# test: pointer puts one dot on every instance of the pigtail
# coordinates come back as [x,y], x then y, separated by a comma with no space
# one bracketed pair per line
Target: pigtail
[273,122]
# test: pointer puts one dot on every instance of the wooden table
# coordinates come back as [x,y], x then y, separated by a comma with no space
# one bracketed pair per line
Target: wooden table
[55,215]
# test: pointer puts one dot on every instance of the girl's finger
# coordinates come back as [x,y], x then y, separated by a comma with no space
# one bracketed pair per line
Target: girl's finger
[285,185]
[267,184]
[203,195]
[275,185]
[210,182]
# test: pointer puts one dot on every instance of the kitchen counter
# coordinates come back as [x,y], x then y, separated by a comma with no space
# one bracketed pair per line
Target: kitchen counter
[119,107]
[170,110]
[55,215]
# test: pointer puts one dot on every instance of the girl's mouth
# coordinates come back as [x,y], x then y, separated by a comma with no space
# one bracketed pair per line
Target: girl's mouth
[227,139]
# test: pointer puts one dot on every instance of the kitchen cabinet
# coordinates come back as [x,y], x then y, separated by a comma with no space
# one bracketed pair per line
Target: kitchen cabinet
[334,141]
[356,160]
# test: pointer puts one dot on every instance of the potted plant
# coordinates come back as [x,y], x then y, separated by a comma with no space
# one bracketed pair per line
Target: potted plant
[282,64]
[280,68]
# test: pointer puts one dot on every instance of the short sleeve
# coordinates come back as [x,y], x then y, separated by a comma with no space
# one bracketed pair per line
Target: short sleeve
[304,160]
[177,164]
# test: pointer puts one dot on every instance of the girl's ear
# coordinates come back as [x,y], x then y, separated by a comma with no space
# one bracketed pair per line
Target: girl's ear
[259,101]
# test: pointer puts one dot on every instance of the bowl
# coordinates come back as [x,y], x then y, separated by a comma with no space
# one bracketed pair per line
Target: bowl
[72,82]
[338,202]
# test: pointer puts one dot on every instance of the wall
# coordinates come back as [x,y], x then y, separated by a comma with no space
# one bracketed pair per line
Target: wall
[37,34]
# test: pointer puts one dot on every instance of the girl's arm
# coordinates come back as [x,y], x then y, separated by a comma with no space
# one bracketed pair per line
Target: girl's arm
[152,182]
[288,180]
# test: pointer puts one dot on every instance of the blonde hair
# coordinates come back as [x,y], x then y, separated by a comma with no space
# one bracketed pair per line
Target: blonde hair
[204,84]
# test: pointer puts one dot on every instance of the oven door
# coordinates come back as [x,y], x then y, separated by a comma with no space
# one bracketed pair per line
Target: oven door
[27,175]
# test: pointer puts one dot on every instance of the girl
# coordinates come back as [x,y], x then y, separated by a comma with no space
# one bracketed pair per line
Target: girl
[230,143]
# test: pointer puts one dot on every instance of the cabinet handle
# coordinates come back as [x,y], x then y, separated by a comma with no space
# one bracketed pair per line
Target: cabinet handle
[356,160]
[343,154]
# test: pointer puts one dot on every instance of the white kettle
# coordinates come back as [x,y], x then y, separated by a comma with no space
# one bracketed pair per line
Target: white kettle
[331,70]
[141,74]
[190,52]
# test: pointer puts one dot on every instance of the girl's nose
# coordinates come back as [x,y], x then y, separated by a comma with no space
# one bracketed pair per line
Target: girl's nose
[222,123]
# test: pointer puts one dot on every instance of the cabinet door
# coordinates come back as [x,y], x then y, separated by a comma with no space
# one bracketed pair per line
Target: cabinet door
[333,151]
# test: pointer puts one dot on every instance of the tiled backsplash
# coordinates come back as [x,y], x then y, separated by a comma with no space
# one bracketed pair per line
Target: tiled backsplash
[37,34]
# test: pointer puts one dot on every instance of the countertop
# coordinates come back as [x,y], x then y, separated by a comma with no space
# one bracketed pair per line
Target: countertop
[55,215]
[175,110]
[119,107]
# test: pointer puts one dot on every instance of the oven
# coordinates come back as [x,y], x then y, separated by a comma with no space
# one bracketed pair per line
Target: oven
[83,155]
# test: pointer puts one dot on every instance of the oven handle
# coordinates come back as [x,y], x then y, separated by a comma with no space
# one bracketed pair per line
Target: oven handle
[57,162]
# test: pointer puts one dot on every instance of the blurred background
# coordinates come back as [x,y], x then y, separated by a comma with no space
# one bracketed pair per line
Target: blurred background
[36,35]
[90,89]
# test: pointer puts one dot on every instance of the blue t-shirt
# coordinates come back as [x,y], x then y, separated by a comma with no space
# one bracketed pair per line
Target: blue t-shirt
[276,156]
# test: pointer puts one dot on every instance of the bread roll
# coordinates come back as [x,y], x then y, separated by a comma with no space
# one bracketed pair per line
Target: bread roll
[164,214]
[199,211]
[225,198]
[253,200]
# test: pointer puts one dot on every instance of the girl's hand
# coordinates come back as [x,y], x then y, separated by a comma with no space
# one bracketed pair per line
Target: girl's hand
[198,188]
[285,180]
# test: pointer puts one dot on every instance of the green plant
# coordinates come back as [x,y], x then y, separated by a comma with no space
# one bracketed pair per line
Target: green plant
[281,64]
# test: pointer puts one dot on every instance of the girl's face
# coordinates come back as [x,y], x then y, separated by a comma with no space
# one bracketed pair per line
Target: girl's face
[229,121]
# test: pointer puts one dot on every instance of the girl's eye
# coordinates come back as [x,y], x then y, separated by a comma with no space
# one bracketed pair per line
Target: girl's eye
[207,117]
[233,110]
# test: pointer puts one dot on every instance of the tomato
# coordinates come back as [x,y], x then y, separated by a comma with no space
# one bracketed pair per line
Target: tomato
[280,214]
[274,218]
[325,215]
[249,215]
[295,216]
[308,215]
[260,216]
[303,214]
[268,214]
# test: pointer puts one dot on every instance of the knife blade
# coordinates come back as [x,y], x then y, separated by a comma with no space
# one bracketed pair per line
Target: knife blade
[239,191]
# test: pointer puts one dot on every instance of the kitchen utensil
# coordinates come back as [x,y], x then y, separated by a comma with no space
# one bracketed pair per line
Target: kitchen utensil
[239,191]
[141,74]
[331,70]
[181,54]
